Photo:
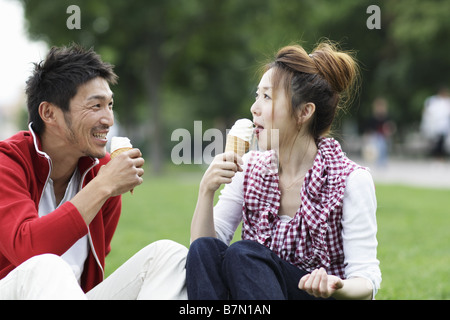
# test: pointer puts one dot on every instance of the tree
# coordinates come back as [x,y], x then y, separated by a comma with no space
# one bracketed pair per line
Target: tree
[199,59]
[156,46]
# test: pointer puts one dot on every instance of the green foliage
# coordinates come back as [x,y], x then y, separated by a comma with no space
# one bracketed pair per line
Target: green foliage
[205,54]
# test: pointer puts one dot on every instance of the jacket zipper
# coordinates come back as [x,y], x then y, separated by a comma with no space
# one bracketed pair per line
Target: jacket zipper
[43,154]
[91,242]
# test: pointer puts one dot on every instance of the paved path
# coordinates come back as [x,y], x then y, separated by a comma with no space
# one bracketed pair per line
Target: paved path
[422,173]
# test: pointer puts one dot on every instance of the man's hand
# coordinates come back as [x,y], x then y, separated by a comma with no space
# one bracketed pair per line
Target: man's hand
[116,177]
[123,173]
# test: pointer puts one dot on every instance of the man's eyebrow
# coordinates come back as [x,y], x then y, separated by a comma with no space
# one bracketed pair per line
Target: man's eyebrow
[100,97]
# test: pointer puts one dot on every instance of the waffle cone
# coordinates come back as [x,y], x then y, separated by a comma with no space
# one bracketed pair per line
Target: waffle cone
[236,145]
[116,152]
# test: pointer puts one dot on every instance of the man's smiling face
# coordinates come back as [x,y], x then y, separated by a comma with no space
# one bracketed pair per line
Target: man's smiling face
[89,118]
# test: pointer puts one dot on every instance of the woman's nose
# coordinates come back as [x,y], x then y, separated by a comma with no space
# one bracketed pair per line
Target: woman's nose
[254,109]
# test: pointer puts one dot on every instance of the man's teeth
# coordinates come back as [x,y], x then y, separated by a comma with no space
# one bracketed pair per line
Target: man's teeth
[100,135]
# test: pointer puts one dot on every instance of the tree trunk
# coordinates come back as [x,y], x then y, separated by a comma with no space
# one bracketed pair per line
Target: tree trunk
[154,78]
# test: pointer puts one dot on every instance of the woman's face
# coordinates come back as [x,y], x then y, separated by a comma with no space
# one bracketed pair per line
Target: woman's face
[271,115]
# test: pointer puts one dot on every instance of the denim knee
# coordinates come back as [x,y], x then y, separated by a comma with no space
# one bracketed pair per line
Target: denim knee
[244,249]
[206,250]
[202,243]
[243,253]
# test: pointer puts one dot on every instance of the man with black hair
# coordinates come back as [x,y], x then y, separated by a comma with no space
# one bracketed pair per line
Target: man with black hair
[61,193]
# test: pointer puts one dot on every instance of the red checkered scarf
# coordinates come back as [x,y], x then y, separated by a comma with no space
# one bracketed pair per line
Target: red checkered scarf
[313,238]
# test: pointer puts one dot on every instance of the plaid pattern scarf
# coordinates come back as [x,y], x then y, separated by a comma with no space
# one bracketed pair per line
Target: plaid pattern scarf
[313,238]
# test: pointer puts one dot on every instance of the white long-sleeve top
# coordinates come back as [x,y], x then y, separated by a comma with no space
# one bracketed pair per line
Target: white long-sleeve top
[359,226]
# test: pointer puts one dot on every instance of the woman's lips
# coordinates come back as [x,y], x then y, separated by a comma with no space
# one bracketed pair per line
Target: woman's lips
[258,130]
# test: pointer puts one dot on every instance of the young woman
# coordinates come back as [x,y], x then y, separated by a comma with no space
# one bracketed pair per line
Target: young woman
[308,212]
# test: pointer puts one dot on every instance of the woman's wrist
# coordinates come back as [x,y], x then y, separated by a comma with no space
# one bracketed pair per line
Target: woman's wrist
[355,288]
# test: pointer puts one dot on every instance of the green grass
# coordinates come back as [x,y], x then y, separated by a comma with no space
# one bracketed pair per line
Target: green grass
[413,242]
[413,236]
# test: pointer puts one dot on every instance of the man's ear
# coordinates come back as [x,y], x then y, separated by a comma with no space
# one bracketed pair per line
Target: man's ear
[47,111]
[305,113]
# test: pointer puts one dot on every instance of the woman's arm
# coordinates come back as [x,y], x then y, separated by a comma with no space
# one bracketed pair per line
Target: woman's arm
[321,285]
[359,229]
[360,246]
[221,171]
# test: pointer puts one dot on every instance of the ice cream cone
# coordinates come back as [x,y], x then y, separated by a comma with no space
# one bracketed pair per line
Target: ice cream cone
[119,151]
[237,145]
[238,139]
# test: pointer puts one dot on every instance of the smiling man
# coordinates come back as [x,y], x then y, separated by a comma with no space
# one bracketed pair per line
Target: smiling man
[61,195]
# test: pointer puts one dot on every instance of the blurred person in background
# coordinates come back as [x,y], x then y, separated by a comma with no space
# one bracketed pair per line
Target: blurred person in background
[378,132]
[435,124]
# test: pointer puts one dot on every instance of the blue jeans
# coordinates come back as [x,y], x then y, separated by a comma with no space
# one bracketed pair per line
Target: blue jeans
[246,270]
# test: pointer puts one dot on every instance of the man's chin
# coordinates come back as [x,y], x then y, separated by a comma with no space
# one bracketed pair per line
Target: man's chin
[98,155]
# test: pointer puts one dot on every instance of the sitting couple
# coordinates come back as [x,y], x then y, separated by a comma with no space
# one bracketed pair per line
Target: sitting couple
[307,211]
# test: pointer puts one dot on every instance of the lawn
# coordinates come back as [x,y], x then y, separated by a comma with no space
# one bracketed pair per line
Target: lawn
[413,242]
[413,234]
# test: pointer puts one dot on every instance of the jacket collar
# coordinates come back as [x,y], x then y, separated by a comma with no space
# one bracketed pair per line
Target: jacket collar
[43,163]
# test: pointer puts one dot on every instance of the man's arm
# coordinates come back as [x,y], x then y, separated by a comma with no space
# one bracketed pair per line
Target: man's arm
[115,178]
[23,234]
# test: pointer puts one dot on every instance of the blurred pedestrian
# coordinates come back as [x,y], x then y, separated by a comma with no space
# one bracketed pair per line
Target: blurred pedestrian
[378,132]
[435,125]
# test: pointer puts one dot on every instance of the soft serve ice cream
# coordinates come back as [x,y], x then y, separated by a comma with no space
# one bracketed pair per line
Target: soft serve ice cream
[119,145]
[239,137]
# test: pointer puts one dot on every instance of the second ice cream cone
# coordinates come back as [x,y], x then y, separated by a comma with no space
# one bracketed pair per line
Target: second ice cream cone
[119,151]
[237,145]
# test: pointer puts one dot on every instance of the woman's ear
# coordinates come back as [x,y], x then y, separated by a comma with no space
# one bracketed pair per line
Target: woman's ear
[305,113]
